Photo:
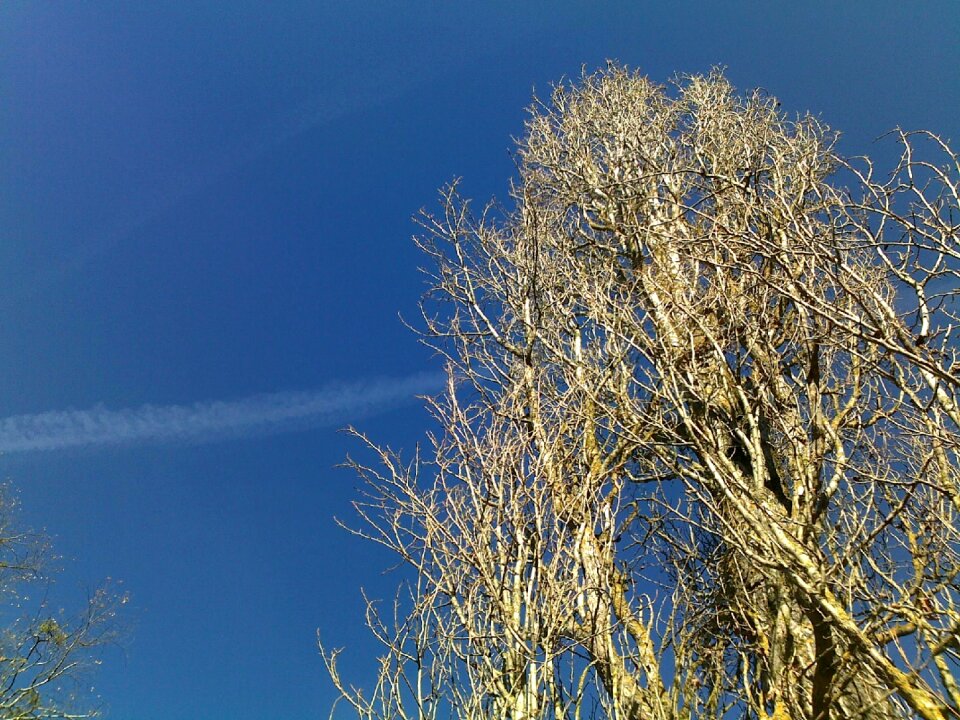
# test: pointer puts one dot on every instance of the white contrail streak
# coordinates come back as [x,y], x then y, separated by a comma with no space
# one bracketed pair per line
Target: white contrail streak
[206,421]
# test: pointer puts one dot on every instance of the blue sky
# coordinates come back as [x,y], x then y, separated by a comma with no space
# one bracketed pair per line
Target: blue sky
[204,248]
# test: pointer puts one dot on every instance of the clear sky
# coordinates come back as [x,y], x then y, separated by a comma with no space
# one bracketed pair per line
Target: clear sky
[204,247]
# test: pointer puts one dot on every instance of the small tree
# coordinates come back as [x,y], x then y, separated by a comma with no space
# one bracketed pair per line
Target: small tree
[44,655]
[699,446]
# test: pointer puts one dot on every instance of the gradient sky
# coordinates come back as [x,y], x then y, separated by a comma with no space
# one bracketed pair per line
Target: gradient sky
[204,248]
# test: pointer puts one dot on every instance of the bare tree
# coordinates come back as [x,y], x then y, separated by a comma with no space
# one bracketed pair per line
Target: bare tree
[699,446]
[45,655]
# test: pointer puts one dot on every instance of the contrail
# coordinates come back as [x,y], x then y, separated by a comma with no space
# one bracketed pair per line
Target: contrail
[208,421]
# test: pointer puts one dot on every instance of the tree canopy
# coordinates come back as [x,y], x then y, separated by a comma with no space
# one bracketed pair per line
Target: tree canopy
[698,453]
[46,654]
